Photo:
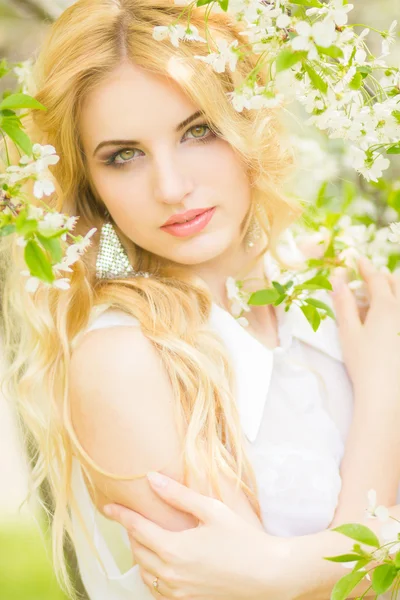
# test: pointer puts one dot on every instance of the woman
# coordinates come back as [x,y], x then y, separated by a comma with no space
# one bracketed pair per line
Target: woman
[146,370]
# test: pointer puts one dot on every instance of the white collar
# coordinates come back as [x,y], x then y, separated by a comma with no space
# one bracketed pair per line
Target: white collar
[253,362]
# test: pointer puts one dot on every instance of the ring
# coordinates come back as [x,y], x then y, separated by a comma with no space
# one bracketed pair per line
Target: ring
[155,584]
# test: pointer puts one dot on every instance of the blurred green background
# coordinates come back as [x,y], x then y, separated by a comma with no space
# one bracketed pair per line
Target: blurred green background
[25,558]
[25,564]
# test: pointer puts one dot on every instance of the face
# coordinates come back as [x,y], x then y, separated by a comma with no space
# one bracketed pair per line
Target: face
[153,161]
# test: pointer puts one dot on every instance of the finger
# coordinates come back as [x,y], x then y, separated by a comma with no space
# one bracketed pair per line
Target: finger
[146,532]
[395,283]
[345,304]
[182,497]
[147,559]
[377,282]
[162,591]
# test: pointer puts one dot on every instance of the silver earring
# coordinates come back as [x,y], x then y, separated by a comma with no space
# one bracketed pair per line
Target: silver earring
[253,234]
[112,261]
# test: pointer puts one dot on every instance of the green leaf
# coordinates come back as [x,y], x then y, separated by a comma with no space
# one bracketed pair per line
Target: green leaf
[38,262]
[344,558]
[287,58]
[56,234]
[279,288]
[356,82]
[362,563]
[261,297]
[315,283]
[396,114]
[316,79]
[312,316]
[17,101]
[397,560]
[308,3]
[393,149]
[224,4]
[53,247]
[10,114]
[322,306]
[17,135]
[332,51]
[360,533]
[313,263]
[4,68]
[365,70]
[394,199]
[7,230]
[393,261]
[383,577]
[288,285]
[29,226]
[204,2]
[344,586]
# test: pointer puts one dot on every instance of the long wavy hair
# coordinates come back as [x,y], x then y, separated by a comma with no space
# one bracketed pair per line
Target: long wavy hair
[88,41]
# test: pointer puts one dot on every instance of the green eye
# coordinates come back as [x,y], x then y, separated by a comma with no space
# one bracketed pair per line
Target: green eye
[126,154]
[199,131]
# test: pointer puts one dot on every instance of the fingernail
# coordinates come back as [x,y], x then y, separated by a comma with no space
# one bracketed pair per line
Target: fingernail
[108,510]
[157,479]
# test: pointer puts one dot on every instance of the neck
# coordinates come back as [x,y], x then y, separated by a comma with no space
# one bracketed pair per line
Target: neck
[238,263]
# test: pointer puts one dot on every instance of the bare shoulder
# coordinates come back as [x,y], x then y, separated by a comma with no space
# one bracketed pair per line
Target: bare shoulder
[119,386]
[124,415]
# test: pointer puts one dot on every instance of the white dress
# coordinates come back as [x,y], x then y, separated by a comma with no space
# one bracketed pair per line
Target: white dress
[295,406]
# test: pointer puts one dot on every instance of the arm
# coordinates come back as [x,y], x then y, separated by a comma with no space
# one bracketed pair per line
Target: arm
[122,411]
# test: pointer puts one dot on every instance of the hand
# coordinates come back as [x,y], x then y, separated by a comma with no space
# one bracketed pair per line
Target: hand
[223,558]
[371,346]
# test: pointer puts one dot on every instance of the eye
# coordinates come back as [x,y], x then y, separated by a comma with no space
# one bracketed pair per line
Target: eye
[198,131]
[123,156]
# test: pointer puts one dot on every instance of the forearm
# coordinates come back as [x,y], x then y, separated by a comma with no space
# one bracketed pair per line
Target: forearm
[372,442]
[312,577]
[372,455]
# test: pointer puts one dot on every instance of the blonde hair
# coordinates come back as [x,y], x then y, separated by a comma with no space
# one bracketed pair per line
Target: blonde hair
[86,43]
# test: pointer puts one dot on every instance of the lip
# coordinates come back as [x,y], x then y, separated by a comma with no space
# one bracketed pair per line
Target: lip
[198,222]
[186,216]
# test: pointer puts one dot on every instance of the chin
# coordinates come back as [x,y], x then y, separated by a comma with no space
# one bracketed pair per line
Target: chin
[200,249]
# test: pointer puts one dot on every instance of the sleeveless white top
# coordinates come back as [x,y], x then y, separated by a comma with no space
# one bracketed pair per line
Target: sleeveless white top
[295,406]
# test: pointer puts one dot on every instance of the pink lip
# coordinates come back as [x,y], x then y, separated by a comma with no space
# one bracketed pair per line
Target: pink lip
[186,216]
[198,222]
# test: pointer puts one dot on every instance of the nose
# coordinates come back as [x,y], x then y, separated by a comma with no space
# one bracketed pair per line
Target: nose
[172,180]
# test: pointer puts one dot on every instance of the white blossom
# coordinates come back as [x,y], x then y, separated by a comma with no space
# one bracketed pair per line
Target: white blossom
[43,187]
[371,168]
[51,222]
[176,34]
[394,235]
[389,39]
[390,532]
[23,71]
[237,297]
[32,284]
[335,10]
[283,21]
[374,511]
[321,33]
[227,55]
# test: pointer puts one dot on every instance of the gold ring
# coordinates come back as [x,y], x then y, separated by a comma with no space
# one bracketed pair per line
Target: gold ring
[155,584]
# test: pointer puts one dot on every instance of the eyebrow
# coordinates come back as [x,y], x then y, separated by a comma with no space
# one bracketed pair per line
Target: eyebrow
[181,126]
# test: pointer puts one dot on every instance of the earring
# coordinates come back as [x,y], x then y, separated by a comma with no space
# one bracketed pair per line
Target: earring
[254,232]
[112,260]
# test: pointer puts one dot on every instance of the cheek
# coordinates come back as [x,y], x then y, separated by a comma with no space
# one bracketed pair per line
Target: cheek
[123,192]
[224,170]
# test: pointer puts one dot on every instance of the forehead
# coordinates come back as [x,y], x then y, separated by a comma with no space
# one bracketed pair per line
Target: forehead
[133,101]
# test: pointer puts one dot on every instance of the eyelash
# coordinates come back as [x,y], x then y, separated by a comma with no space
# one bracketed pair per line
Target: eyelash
[111,160]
